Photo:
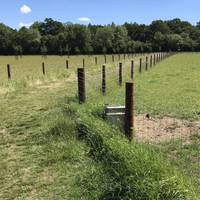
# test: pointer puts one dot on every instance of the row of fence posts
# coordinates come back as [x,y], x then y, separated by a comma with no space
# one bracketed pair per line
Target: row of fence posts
[129,98]
[67,63]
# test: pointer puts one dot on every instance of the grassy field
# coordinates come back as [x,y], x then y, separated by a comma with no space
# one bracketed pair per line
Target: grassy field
[30,67]
[53,148]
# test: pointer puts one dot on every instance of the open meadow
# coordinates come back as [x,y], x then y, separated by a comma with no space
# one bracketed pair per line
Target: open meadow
[51,147]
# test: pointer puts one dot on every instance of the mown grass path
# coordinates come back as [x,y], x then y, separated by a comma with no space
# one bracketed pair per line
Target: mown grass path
[40,157]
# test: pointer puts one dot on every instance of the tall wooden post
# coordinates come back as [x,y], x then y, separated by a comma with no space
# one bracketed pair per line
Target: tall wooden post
[120,74]
[105,59]
[81,85]
[151,61]
[83,63]
[95,60]
[129,110]
[140,67]
[113,58]
[67,64]
[154,59]
[43,69]
[147,63]
[9,72]
[132,69]
[104,80]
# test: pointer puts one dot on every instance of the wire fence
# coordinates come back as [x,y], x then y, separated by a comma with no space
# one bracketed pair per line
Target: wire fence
[109,83]
[24,67]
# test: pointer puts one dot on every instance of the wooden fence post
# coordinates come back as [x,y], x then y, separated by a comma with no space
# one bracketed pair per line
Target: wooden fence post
[140,67]
[151,61]
[67,64]
[147,63]
[104,80]
[113,58]
[83,63]
[154,59]
[105,59]
[120,74]
[43,69]
[81,85]
[9,72]
[132,69]
[95,60]
[129,110]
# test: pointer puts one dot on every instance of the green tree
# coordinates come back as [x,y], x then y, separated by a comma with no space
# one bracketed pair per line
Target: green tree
[120,42]
[7,43]
[174,42]
[29,40]
[103,41]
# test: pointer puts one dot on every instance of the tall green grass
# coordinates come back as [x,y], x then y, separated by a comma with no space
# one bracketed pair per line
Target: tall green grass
[53,148]
[137,171]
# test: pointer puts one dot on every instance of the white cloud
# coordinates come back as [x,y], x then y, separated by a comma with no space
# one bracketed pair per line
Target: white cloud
[84,19]
[27,25]
[25,9]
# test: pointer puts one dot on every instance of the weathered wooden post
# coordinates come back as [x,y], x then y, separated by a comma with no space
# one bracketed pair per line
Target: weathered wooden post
[96,61]
[151,61]
[129,110]
[105,59]
[81,85]
[147,63]
[132,69]
[43,69]
[120,74]
[67,64]
[113,58]
[104,80]
[154,59]
[83,62]
[140,67]
[9,72]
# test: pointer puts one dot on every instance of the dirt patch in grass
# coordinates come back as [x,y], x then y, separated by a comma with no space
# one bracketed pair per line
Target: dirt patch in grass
[155,130]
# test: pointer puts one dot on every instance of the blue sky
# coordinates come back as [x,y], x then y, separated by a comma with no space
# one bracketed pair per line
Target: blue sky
[23,12]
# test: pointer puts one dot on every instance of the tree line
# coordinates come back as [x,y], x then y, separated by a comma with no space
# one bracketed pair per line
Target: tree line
[54,37]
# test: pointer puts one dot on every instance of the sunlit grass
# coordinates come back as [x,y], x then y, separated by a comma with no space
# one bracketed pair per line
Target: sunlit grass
[41,156]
